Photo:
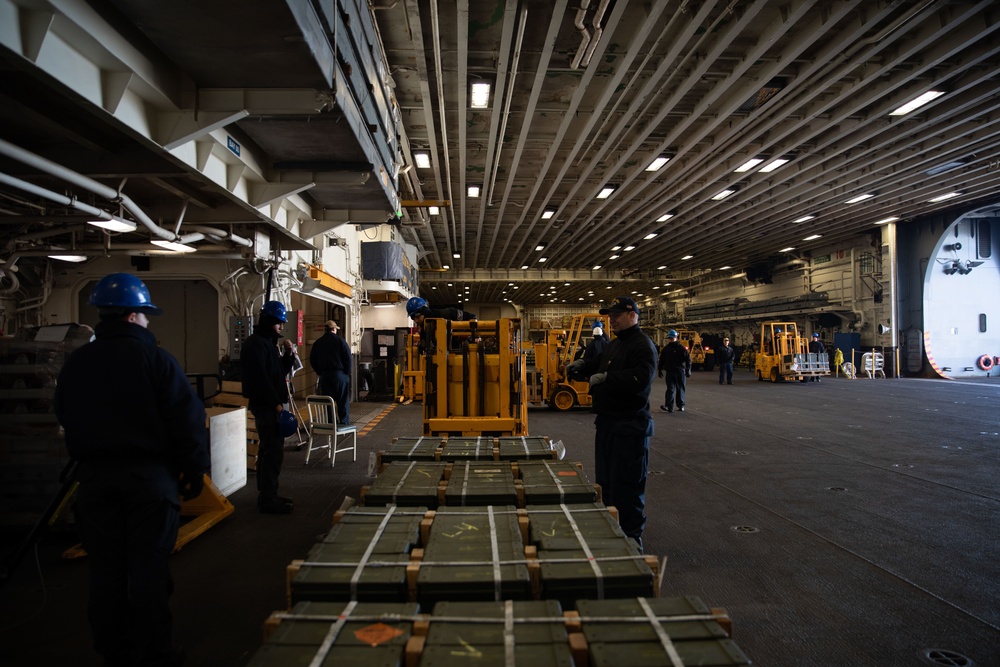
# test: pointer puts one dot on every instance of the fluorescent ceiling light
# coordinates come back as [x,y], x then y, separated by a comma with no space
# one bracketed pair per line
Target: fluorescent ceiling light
[774,164]
[658,162]
[629,248]
[688,257]
[788,249]
[722,195]
[540,246]
[383,305]
[947,166]
[68,257]
[114,225]
[446,267]
[859,198]
[665,217]
[480,94]
[434,210]
[661,267]
[606,191]
[543,259]
[651,235]
[547,213]
[456,255]
[423,160]
[917,102]
[597,267]
[723,268]
[891,218]
[172,246]
[524,267]
[473,190]
[944,197]
[813,237]
[614,257]
[749,164]
[803,219]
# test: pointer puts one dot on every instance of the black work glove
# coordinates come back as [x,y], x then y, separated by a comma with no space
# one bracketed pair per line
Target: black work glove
[687,374]
[192,484]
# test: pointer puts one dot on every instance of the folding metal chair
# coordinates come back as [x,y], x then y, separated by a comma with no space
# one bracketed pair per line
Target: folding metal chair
[323,424]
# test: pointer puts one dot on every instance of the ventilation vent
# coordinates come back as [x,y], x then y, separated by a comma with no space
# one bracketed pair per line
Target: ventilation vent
[984,239]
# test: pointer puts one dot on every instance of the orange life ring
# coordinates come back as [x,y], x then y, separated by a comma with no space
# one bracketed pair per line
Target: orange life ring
[985,362]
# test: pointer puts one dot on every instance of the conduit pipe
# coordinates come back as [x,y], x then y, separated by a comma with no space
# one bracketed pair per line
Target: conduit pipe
[596,22]
[580,23]
[221,234]
[38,162]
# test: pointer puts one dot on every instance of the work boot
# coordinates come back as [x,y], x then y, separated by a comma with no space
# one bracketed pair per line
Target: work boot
[274,506]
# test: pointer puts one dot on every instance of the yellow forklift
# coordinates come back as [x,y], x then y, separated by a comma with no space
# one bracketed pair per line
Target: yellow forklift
[784,354]
[547,379]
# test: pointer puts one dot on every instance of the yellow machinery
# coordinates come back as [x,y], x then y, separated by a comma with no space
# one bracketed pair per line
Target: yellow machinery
[413,370]
[474,378]
[784,354]
[548,382]
[702,358]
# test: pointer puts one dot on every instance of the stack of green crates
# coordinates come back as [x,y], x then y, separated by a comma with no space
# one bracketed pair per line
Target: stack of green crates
[524,448]
[370,634]
[411,449]
[497,633]
[479,448]
[480,483]
[410,484]
[474,553]
[584,555]
[551,482]
[363,557]
[641,632]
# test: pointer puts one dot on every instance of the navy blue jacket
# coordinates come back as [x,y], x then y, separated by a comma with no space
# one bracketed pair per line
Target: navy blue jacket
[264,370]
[674,358]
[330,353]
[622,399]
[122,398]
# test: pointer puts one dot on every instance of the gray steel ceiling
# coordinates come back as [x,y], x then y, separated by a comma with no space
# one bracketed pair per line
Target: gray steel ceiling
[585,94]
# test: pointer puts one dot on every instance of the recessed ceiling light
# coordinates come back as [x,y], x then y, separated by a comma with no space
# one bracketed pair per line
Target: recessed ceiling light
[629,248]
[891,218]
[539,247]
[917,102]
[456,255]
[473,190]
[606,191]
[651,235]
[596,267]
[423,160]
[788,249]
[524,267]
[68,257]
[445,266]
[803,219]
[480,94]
[774,164]
[547,213]
[723,268]
[748,165]
[172,246]
[614,257]
[688,257]
[543,259]
[722,195]
[665,217]
[944,197]
[661,267]
[812,237]
[114,225]
[658,162]
[863,197]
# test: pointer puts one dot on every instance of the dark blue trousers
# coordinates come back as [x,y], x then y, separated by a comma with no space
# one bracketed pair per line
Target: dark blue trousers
[622,463]
[337,385]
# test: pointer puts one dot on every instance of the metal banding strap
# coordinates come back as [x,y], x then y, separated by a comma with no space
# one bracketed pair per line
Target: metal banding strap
[356,575]
[586,550]
[495,549]
[465,484]
[508,633]
[331,635]
[402,481]
[415,445]
[524,444]
[557,482]
[668,646]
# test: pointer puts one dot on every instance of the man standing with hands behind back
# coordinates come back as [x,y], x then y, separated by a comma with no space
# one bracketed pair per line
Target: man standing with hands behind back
[138,431]
[330,358]
[620,383]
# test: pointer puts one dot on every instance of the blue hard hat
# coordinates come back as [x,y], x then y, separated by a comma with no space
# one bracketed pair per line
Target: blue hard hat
[671,334]
[415,305]
[598,325]
[122,290]
[287,424]
[275,309]
[815,335]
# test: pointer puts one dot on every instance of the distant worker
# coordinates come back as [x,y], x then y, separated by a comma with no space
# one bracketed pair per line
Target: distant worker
[138,431]
[816,347]
[725,356]
[597,345]
[417,309]
[675,361]
[620,382]
[264,373]
[330,357]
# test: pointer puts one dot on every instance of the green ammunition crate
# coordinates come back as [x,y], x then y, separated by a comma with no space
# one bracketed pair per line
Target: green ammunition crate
[480,483]
[474,553]
[523,448]
[408,484]
[411,449]
[535,655]
[555,482]
[603,569]
[682,618]
[469,449]
[549,521]
[705,653]
[462,622]
[373,635]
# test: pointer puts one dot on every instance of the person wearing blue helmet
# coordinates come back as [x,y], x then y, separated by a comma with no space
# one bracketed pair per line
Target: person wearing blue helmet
[264,371]
[137,431]
[417,309]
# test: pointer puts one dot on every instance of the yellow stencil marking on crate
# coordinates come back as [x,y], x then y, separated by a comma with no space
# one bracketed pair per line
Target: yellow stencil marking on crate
[550,533]
[471,651]
[462,528]
[376,634]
